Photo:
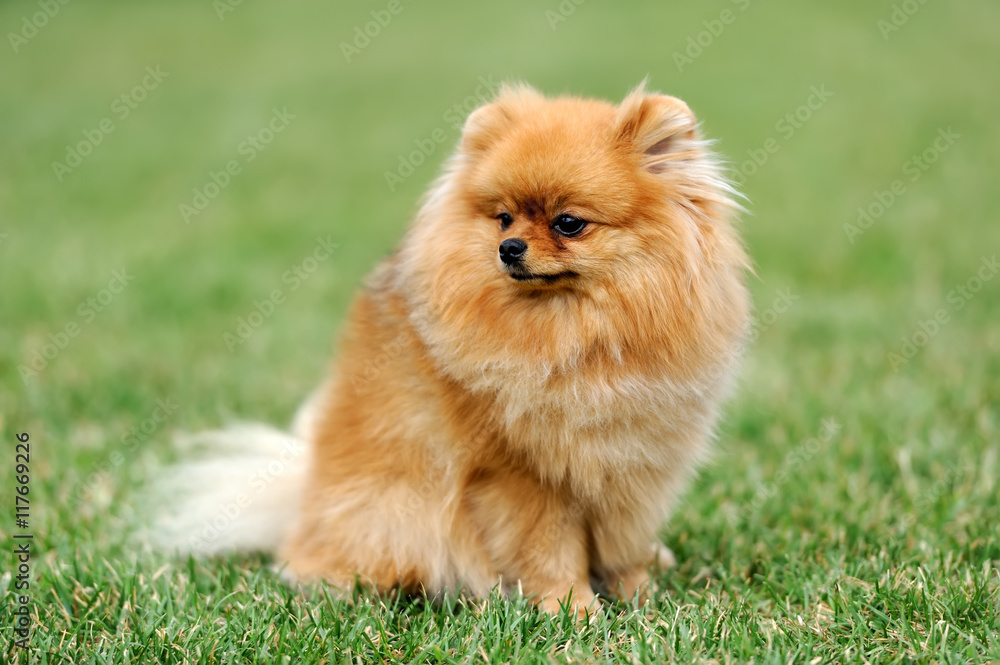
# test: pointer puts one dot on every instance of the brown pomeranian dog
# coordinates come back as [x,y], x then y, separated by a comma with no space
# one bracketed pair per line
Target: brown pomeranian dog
[524,388]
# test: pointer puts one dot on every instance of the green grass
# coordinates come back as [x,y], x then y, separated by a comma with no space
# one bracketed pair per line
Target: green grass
[877,542]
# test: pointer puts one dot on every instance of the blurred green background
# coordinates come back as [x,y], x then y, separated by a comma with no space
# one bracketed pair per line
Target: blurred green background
[914,463]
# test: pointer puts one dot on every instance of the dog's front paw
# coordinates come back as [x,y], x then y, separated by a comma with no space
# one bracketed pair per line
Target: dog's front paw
[637,582]
[634,584]
[582,601]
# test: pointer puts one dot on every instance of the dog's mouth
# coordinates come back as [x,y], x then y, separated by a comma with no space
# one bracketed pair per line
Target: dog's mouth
[524,276]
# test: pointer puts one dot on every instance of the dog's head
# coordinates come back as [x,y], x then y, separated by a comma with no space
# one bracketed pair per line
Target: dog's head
[571,191]
[574,218]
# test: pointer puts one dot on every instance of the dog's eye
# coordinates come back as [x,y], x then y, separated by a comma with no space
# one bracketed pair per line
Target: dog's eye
[505,220]
[568,225]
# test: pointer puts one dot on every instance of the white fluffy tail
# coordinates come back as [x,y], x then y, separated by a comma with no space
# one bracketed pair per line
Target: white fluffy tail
[239,491]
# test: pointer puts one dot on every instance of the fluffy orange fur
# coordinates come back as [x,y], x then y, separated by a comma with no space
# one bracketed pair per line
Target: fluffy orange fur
[480,428]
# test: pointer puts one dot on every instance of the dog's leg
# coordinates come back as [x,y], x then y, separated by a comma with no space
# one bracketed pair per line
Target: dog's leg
[382,535]
[533,536]
[624,547]
[621,564]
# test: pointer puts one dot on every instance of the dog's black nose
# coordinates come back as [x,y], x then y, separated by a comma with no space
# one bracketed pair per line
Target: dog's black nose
[512,250]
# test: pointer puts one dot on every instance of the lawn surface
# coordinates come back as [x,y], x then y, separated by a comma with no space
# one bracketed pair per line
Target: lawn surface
[851,513]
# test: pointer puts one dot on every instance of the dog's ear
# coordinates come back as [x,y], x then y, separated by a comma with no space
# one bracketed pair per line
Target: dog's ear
[483,126]
[488,122]
[660,128]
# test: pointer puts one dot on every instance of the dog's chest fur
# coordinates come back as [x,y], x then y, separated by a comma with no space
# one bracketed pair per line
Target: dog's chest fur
[590,428]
